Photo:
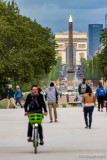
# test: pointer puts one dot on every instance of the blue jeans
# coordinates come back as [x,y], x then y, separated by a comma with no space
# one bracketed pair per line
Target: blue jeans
[18,101]
[88,111]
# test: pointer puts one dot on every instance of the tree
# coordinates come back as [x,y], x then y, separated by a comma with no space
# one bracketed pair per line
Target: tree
[97,74]
[103,55]
[91,68]
[53,75]
[27,50]
[84,66]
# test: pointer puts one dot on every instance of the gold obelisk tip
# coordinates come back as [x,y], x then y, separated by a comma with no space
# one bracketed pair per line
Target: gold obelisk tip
[70,18]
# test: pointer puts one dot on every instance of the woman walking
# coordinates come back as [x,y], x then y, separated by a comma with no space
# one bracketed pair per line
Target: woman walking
[88,100]
[100,94]
[18,96]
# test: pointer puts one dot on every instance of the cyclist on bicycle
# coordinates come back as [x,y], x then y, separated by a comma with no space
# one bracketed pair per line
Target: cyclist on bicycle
[35,104]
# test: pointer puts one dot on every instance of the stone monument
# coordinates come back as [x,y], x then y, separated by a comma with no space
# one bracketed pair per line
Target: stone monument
[70,57]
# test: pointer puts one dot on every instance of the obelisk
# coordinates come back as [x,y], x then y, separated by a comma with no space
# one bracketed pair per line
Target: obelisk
[70,56]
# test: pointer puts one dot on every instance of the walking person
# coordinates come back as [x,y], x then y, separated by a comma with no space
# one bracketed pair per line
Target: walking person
[35,104]
[100,94]
[81,89]
[18,96]
[52,98]
[67,97]
[11,97]
[89,101]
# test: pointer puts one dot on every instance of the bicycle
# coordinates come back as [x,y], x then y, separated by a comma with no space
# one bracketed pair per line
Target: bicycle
[35,119]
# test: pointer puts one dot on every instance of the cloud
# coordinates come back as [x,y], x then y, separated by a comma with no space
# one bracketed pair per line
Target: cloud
[57,18]
[83,4]
[55,13]
[67,4]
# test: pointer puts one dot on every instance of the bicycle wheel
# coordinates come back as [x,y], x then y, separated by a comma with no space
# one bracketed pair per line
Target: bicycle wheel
[35,139]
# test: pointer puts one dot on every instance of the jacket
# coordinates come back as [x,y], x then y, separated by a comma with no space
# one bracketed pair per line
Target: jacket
[10,93]
[35,103]
[18,93]
[52,93]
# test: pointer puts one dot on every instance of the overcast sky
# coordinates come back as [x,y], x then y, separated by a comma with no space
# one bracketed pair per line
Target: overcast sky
[55,13]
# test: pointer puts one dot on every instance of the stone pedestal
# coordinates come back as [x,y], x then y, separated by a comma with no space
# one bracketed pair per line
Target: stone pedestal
[70,75]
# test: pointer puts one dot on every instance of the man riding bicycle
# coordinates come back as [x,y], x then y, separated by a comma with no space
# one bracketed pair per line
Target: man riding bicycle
[35,104]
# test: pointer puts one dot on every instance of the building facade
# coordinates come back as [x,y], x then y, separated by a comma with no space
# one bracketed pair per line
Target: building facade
[94,37]
[79,46]
[106,20]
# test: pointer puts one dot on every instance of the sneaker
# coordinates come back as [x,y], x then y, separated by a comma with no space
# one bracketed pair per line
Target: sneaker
[51,121]
[41,142]
[101,110]
[56,120]
[29,139]
[86,127]
[13,107]
[89,127]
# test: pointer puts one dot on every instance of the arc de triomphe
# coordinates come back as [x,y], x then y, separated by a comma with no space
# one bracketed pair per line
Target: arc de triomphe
[79,41]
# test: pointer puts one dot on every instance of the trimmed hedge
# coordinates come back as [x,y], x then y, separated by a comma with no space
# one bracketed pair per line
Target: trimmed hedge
[25,95]
[64,105]
[73,105]
[4,103]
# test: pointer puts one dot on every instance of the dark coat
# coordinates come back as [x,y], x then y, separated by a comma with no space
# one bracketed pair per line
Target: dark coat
[10,93]
[35,103]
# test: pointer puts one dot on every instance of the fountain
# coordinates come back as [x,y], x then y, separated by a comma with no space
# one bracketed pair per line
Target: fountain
[75,82]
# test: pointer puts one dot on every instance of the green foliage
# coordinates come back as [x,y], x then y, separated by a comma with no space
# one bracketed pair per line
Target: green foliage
[4,103]
[84,66]
[3,85]
[97,74]
[25,95]
[91,68]
[57,105]
[96,67]
[103,63]
[25,87]
[64,105]
[103,38]
[103,55]
[53,75]
[27,50]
